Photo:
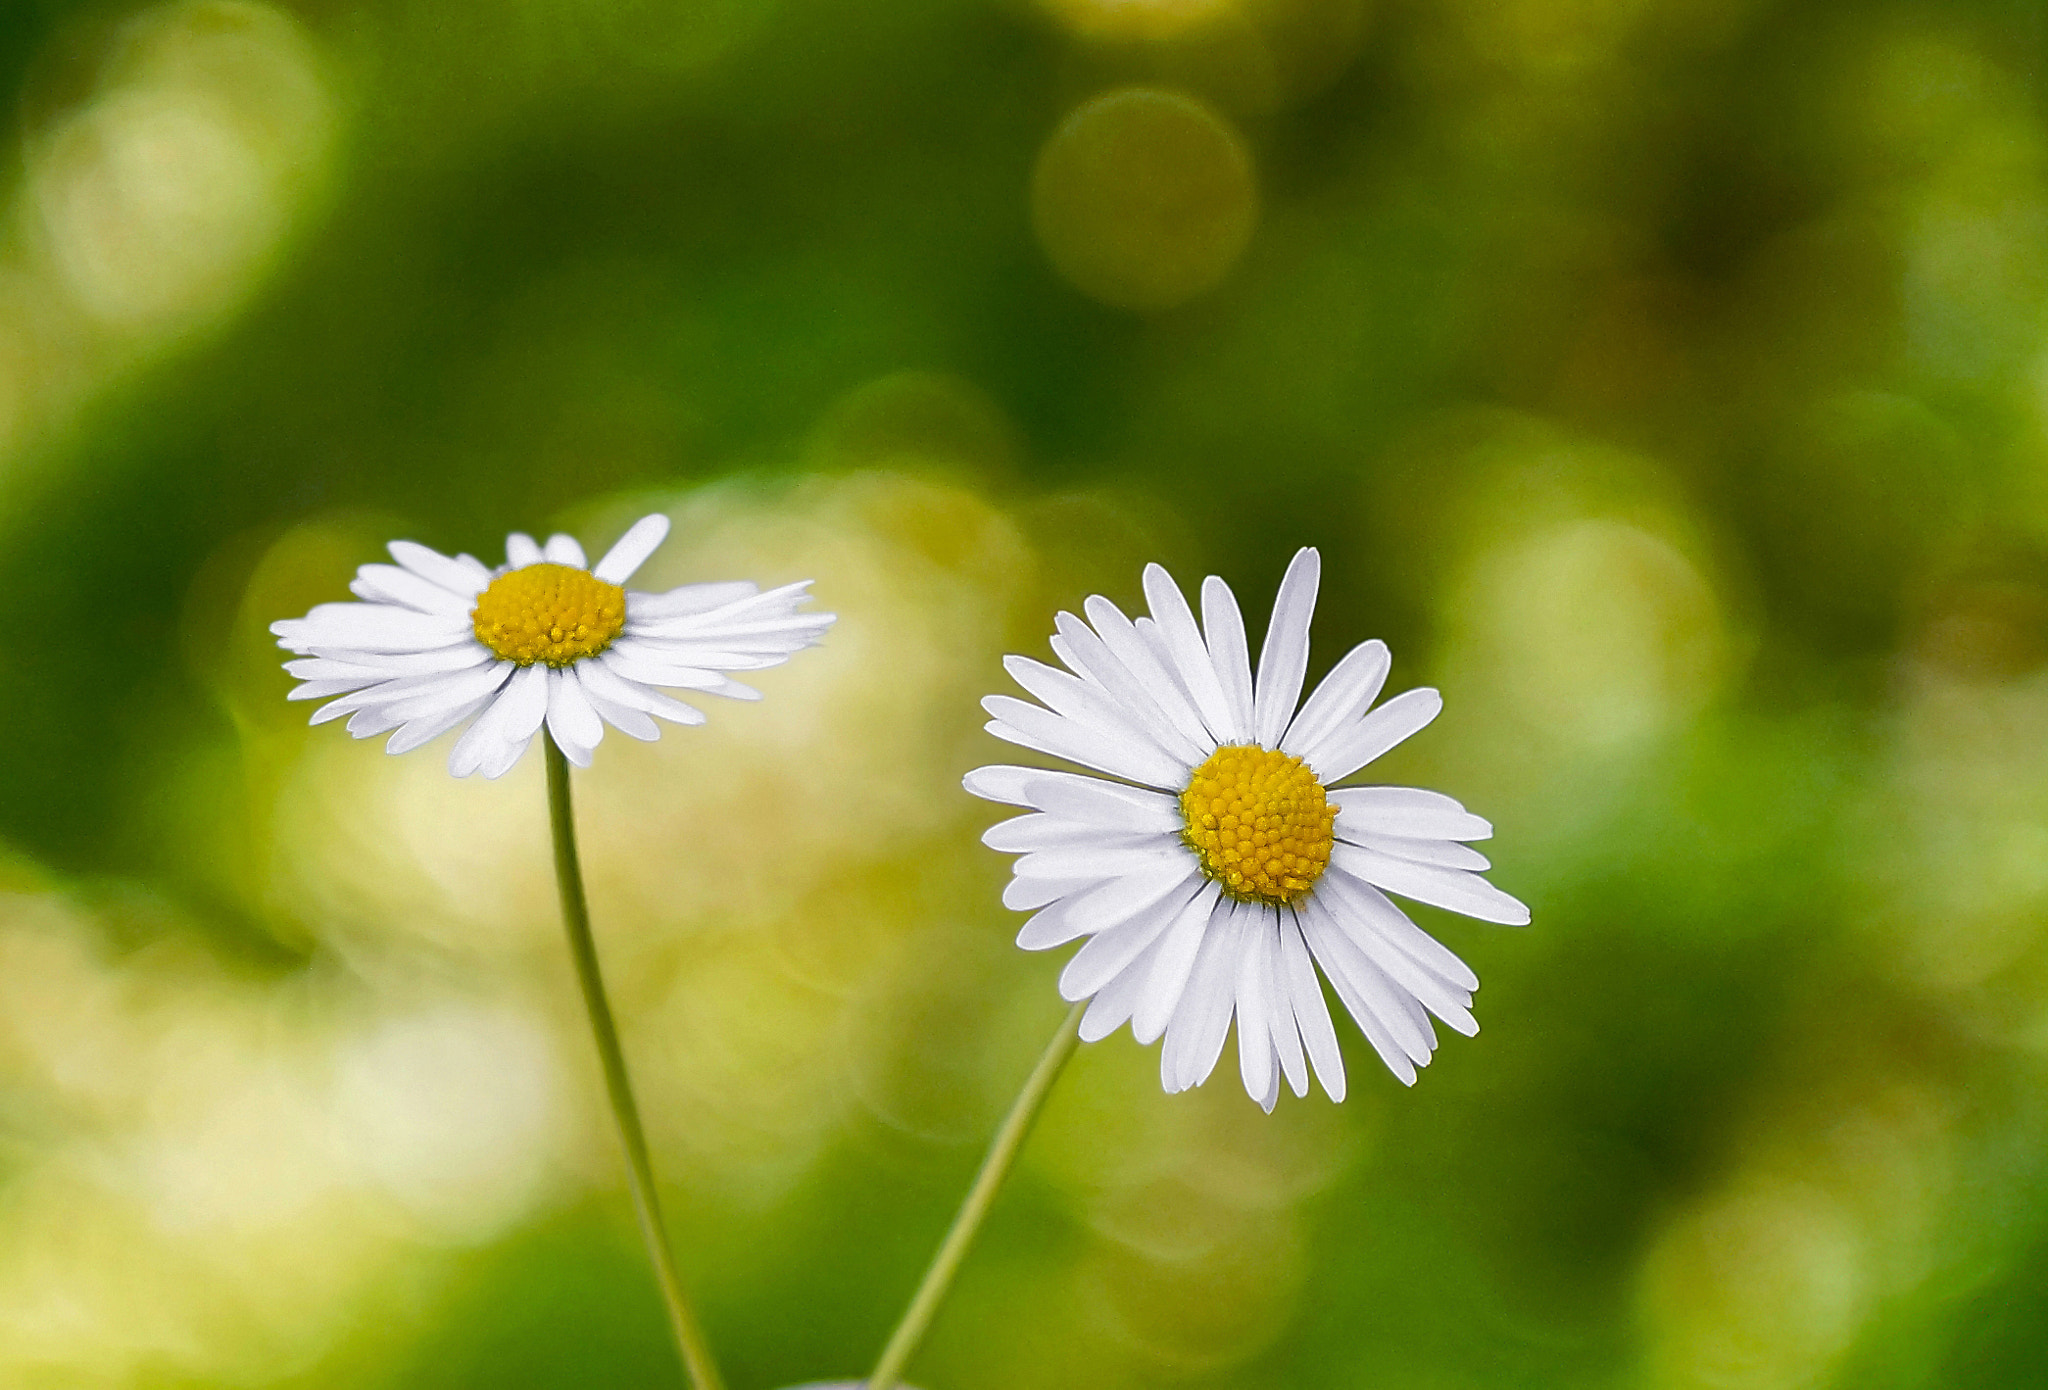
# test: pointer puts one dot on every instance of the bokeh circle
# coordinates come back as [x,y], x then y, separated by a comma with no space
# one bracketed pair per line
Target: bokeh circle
[1143,198]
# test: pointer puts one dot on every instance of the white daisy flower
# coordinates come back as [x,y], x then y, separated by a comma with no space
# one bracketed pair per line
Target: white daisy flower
[1227,859]
[545,638]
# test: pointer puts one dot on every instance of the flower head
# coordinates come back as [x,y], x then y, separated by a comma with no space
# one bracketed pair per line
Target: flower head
[547,637]
[1226,863]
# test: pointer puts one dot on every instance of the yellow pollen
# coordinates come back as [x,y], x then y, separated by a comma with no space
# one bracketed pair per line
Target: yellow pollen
[1259,822]
[556,614]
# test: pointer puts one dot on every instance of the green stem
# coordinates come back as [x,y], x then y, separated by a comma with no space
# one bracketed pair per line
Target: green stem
[696,1353]
[917,1318]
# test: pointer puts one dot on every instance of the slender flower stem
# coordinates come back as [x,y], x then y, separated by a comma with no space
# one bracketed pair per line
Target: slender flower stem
[696,1352]
[917,1318]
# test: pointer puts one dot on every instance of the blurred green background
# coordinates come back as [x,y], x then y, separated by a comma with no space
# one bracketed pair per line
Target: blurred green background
[1668,382]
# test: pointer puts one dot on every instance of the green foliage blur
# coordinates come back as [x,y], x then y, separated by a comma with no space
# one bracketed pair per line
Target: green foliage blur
[1666,382]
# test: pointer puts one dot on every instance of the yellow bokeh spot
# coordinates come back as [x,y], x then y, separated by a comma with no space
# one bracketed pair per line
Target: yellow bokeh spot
[1137,19]
[1144,198]
[1260,823]
[553,613]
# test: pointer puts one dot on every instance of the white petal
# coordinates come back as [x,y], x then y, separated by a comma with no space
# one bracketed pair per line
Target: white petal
[1114,1002]
[741,651]
[368,723]
[1349,967]
[1003,782]
[1151,669]
[1375,1003]
[1076,796]
[1039,831]
[504,727]
[1255,1060]
[681,611]
[1105,858]
[370,627]
[777,630]
[1223,627]
[738,651]
[1271,1096]
[1353,901]
[505,757]
[381,694]
[421,731]
[385,665]
[1447,1001]
[445,692]
[1113,903]
[752,625]
[522,550]
[1344,695]
[1106,680]
[1024,894]
[1111,805]
[733,650]
[1194,1038]
[457,656]
[334,711]
[1425,883]
[672,643]
[1052,925]
[524,703]
[1173,957]
[564,550]
[1286,1033]
[572,722]
[631,550]
[1112,951]
[1347,750]
[463,574]
[601,677]
[1072,910]
[326,668]
[1094,709]
[1410,812]
[335,685]
[779,601]
[687,599]
[687,664]
[627,720]
[1141,690]
[1283,660]
[610,677]
[1447,854]
[674,711]
[633,662]
[1311,1013]
[1033,727]
[1189,653]
[1451,1005]
[390,584]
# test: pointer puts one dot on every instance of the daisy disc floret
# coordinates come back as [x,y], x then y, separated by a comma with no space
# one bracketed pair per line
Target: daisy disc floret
[546,638]
[556,614]
[1259,823]
[1218,866]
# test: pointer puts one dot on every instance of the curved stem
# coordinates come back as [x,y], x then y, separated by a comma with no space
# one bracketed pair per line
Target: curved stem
[696,1352]
[903,1343]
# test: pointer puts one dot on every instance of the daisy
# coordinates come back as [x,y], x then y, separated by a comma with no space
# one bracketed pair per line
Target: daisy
[1225,864]
[547,637]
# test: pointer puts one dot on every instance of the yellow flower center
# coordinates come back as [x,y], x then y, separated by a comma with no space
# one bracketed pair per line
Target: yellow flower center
[553,613]
[1259,822]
